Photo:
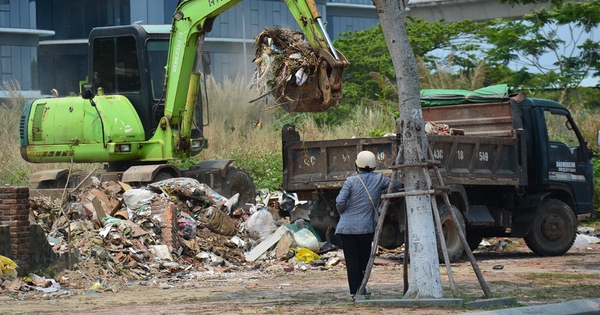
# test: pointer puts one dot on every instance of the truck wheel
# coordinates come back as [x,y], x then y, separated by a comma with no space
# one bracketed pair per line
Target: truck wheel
[453,242]
[236,181]
[162,175]
[391,236]
[554,229]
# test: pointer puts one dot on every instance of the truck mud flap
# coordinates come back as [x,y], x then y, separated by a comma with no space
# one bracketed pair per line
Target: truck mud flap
[525,213]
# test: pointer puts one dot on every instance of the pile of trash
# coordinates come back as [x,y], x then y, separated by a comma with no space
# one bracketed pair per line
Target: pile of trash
[283,57]
[433,128]
[169,229]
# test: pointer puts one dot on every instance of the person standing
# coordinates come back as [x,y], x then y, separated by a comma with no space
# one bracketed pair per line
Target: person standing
[358,204]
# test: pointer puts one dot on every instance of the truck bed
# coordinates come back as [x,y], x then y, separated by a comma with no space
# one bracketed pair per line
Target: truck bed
[489,153]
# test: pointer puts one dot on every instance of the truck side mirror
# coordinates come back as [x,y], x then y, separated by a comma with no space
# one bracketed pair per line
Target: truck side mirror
[87,91]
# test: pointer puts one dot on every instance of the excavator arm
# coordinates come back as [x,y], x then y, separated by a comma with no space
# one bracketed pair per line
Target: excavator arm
[193,19]
[325,85]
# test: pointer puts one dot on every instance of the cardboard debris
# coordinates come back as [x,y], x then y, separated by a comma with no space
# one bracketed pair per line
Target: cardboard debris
[165,239]
[99,210]
[285,245]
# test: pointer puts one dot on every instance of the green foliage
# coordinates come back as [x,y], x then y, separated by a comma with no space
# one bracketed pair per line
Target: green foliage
[47,272]
[370,80]
[596,165]
[265,168]
[18,177]
[537,34]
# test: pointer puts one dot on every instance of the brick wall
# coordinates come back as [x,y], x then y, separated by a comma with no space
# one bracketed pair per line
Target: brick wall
[14,215]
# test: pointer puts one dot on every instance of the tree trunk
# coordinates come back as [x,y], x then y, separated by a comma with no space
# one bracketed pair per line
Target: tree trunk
[425,279]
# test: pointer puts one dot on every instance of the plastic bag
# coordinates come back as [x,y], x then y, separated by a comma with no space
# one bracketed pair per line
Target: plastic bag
[138,198]
[306,255]
[305,238]
[192,188]
[8,268]
[261,225]
[187,226]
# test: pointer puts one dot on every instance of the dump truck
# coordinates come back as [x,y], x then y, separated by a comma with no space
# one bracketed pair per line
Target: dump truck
[141,108]
[513,166]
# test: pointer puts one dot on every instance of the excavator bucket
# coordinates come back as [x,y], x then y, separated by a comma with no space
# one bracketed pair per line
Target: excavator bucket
[294,75]
[320,90]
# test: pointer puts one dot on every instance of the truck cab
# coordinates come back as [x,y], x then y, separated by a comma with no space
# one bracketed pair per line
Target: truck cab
[559,159]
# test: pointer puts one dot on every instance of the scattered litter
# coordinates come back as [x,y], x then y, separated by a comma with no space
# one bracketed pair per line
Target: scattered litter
[433,128]
[306,255]
[583,241]
[8,268]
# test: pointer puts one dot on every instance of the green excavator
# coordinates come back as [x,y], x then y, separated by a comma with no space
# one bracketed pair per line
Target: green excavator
[141,107]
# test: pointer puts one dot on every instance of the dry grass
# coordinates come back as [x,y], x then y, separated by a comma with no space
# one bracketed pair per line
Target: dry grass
[235,124]
[243,130]
[14,170]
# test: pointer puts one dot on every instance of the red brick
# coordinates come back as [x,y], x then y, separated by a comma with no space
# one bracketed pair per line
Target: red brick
[22,227]
[10,213]
[19,252]
[7,189]
[19,230]
[10,201]
[19,246]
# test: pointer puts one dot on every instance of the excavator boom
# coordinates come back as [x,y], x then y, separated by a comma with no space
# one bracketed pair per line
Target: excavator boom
[193,19]
[123,119]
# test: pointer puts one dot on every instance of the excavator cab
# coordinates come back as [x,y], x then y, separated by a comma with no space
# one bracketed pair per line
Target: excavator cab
[130,60]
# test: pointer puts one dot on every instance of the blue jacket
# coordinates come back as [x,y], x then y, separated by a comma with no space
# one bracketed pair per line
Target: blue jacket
[357,215]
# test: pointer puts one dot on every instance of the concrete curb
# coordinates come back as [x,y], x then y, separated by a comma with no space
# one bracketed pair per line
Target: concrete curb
[577,307]
[437,303]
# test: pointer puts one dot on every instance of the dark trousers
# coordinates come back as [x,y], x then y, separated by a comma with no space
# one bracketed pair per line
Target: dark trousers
[357,250]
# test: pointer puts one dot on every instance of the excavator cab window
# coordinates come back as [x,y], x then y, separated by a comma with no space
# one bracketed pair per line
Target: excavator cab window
[116,67]
[158,51]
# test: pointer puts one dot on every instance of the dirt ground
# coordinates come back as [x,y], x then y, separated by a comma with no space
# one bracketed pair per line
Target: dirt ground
[513,272]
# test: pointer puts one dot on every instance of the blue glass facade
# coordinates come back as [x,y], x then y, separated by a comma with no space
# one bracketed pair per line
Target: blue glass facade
[56,56]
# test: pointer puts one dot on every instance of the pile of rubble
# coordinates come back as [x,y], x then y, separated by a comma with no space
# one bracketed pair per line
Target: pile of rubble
[114,233]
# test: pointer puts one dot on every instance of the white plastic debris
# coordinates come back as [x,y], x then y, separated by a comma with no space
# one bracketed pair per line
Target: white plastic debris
[301,77]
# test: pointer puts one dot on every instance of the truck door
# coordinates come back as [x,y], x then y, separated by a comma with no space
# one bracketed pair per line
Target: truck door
[568,158]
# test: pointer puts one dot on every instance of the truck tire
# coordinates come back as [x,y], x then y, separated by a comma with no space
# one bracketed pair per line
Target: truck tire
[162,175]
[453,242]
[391,236]
[554,229]
[239,181]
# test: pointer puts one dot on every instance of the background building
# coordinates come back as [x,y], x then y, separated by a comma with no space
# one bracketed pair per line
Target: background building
[43,43]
